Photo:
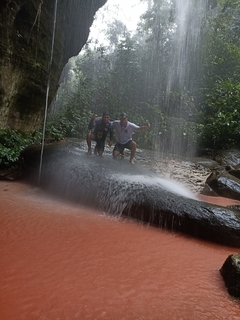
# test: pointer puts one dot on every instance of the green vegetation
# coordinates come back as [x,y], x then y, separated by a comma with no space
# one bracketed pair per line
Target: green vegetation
[11,145]
[187,87]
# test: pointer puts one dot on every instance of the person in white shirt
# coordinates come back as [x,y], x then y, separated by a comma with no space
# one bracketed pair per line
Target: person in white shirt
[124,130]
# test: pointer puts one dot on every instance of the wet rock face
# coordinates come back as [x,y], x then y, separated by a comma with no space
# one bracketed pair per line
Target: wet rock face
[230,272]
[116,187]
[224,179]
[25,51]
[225,183]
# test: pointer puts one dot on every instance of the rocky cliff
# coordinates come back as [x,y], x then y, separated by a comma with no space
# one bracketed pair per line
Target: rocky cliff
[26,39]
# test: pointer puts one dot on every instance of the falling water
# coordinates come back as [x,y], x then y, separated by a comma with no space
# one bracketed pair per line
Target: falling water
[189,16]
[48,86]
[185,68]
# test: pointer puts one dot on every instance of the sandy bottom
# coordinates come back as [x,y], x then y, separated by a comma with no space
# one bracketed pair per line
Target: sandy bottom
[62,261]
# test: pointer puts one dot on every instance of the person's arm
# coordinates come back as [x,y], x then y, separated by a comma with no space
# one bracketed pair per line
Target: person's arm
[92,122]
[110,135]
[141,128]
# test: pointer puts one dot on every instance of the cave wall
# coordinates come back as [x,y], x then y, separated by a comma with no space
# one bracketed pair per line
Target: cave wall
[26,30]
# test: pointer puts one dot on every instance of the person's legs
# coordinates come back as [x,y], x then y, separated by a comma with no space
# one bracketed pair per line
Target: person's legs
[100,152]
[132,147]
[115,154]
[89,139]
[117,150]
[99,147]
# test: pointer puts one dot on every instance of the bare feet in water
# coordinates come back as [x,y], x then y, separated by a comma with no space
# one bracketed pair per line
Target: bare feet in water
[131,161]
[89,152]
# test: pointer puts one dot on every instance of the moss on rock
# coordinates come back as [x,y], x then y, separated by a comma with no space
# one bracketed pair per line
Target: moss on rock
[25,50]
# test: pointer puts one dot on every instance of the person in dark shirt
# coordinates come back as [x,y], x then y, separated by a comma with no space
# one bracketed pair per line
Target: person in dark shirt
[101,127]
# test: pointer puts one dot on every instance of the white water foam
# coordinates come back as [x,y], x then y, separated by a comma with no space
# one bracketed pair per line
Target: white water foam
[168,185]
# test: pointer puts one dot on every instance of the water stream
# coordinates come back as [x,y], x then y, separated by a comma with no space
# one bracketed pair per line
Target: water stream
[48,87]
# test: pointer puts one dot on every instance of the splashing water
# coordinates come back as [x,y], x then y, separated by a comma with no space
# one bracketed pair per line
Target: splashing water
[171,186]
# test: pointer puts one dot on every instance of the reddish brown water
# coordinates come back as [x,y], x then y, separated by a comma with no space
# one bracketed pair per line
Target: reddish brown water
[60,261]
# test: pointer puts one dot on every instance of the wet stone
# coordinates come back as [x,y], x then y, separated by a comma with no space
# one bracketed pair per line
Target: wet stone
[230,272]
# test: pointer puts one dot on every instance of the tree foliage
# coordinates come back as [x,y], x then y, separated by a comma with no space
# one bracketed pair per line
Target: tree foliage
[12,143]
[183,76]
[185,81]
[220,82]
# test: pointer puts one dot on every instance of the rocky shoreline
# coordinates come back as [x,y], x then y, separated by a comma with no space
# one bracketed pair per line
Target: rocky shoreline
[192,173]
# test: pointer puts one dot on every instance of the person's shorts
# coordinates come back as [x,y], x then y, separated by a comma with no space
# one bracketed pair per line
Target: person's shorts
[100,143]
[120,147]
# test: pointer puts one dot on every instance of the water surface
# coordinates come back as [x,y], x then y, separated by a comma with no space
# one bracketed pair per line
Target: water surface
[63,261]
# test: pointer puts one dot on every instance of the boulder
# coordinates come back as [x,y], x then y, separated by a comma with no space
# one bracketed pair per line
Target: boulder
[205,162]
[116,187]
[230,272]
[225,183]
[230,157]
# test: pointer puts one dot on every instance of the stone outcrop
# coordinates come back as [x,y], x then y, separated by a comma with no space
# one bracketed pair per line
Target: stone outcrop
[25,53]
[224,177]
[225,183]
[116,187]
[230,272]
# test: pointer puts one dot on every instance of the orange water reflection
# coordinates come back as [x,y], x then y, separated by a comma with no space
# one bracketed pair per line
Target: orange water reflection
[60,261]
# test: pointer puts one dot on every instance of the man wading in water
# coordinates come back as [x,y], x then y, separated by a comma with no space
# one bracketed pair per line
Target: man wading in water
[101,126]
[124,130]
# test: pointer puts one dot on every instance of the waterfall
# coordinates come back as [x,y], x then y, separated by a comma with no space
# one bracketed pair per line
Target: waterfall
[184,69]
[48,86]
[188,14]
